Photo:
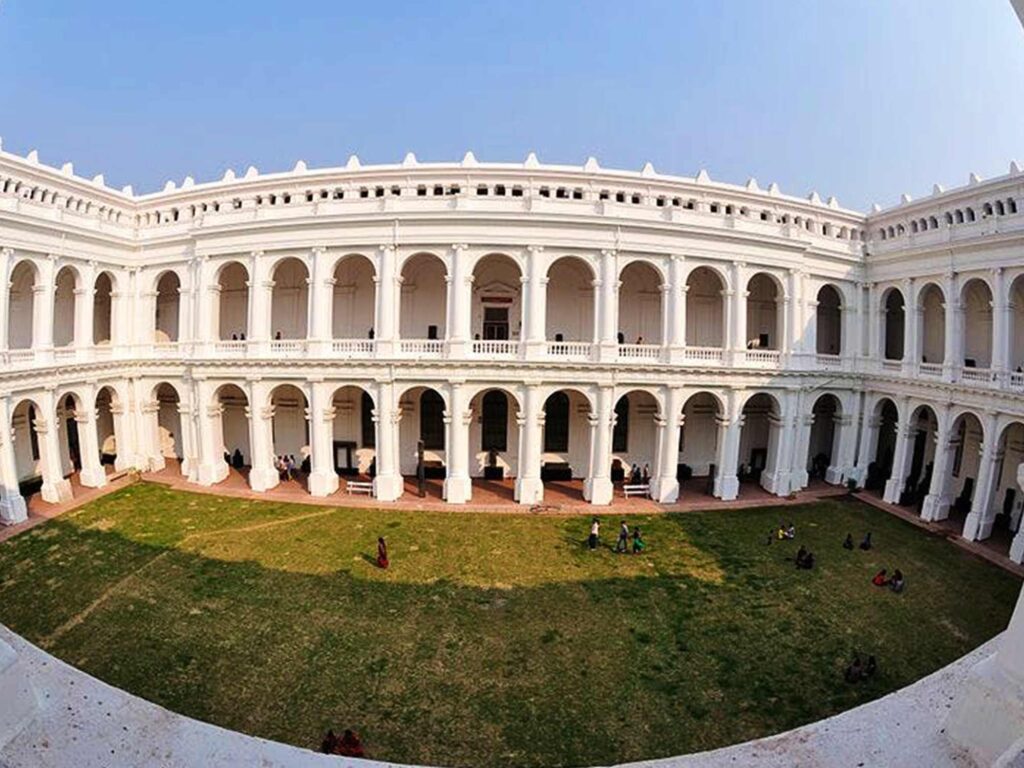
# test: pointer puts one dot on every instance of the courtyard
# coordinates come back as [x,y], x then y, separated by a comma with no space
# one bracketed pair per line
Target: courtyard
[493,639]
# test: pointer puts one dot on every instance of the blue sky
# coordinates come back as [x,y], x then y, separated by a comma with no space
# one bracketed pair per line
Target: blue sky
[863,100]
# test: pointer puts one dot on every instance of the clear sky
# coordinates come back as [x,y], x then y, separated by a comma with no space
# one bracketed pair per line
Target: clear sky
[863,100]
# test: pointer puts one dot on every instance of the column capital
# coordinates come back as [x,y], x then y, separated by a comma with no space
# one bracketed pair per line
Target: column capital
[459,247]
[6,251]
[386,247]
[257,254]
[535,248]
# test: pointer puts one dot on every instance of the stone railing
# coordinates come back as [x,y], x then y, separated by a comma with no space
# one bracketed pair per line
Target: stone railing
[646,353]
[703,355]
[569,350]
[433,348]
[496,348]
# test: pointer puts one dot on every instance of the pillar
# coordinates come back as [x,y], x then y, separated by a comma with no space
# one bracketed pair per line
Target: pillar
[738,326]
[727,486]
[529,488]
[535,284]
[121,315]
[386,310]
[12,506]
[937,502]
[458,488]
[904,432]
[875,317]
[852,343]
[56,488]
[91,475]
[950,359]
[6,258]
[911,318]
[263,476]
[210,442]
[260,287]
[149,447]
[597,488]
[843,464]
[868,439]
[675,310]
[1001,321]
[607,302]
[665,484]
[208,308]
[323,478]
[320,309]
[776,476]
[460,288]
[388,484]
[978,525]
[42,310]
[85,308]
[801,422]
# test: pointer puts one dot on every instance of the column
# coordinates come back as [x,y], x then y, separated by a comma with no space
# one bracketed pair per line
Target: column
[904,434]
[458,488]
[776,477]
[122,299]
[91,475]
[727,486]
[12,505]
[42,306]
[460,287]
[187,299]
[6,257]
[978,525]
[534,283]
[260,287]
[56,488]
[665,484]
[675,310]
[938,500]
[262,476]
[911,319]
[85,311]
[386,311]
[212,468]
[811,332]
[792,339]
[842,468]
[868,439]
[951,343]
[208,308]
[607,299]
[321,305]
[875,315]
[739,313]
[852,346]
[529,488]
[323,478]
[802,420]
[1001,320]
[149,447]
[1017,546]
[597,488]
[128,449]
[189,444]
[388,483]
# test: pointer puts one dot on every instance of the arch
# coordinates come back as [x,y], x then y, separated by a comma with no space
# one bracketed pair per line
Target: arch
[493,439]
[1007,511]
[28,457]
[423,307]
[497,305]
[698,438]
[232,315]
[354,299]
[764,320]
[829,321]
[931,303]
[168,307]
[916,474]
[758,459]
[1016,330]
[103,308]
[65,305]
[976,326]
[894,326]
[69,405]
[967,435]
[641,304]
[423,410]
[107,405]
[168,422]
[354,432]
[290,435]
[289,303]
[885,420]
[705,308]
[21,305]
[571,301]
[635,434]
[233,431]
[823,442]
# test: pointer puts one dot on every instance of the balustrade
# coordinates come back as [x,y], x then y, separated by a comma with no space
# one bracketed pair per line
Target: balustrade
[828,362]
[496,348]
[703,355]
[432,348]
[569,350]
[763,358]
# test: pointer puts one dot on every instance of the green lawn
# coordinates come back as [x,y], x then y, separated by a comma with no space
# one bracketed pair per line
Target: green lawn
[493,639]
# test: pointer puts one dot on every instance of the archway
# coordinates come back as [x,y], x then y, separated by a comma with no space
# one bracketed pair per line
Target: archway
[168,421]
[28,455]
[565,444]
[423,413]
[290,434]
[1016,361]
[422,314]
[354,299]
[892,333]
[106,432]
[885,420]
[64,306]
[233,431]
[497,311]
[823,443]
[829,322]
[764,326]
[698,443]
[289,312]
[705,309]
[1007,502]
[354,433]
[635,438]
[976,299]
[68,409]
[494,442]
[640,304]
[102,309]
[570,304]
[958,486]
[168,307]
[918,463]
[932,328]
[758,459]
[233,302]
[21,305]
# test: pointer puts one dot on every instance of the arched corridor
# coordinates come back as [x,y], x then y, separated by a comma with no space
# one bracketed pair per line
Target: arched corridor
[640,305]
[823,443]
[168,308]
[423,308]
[168,419]
[65,300]
[705,308]
[764,318]
[21,305]
[635,437]
[976,335]
[884,422]
[354,298]
[290,446]
[497,305]
[893,326]
[353,433]
[289,313]
[103,309]
[932,327]
[829,321]
[566,443]
[233,302]
[759,459]
[570,301]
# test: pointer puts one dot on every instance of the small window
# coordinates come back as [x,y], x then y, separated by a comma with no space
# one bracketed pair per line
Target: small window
[432,420]
[364,192]
[499,190]
[603,195]
[577,194]
[379,192]
[544,192]
[421,191]
[660,201]
[482,190]
[396,191]
[620,197]
[714,207]
[635,200]
[438,190]
[517,191]
[339,194]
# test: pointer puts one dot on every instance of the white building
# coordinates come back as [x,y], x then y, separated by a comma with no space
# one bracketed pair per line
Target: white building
[523,320]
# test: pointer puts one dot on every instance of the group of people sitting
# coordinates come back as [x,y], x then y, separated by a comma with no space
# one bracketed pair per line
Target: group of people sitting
[347,745]
[858,671]
[638,476]
[804,558]
[896,582]
[234,459]
[238,336]
[865,543]
[782,533]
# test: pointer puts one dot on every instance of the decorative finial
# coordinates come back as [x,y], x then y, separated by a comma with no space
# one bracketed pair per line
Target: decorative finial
[703,177]
[251,172]
[1014,168]
[938,189]
[832,202]
[531,161]
[773,188]
[409,160]
[352,164]
[127,190]
[814,199]
[229,175]
[752,185]
[973,179]
[591,165]
[876,208]
[68,169]
[33,157]
[98,180]
[188,183]
[648,170]
[469,160]
[905,198]
[300,167]
[170,186]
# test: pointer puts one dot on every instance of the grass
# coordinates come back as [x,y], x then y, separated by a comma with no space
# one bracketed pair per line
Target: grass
[493,640]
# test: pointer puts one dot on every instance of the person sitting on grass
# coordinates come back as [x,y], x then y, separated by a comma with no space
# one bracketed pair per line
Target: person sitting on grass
[800,555]
[848,542]
[623,542]
[350,745]
[806,562]
[330,743]
[382,554]
[871,667]
[855,671]
[881,578]
[897,583]
[638,541]
[791,531]
[866,544]
[780,532]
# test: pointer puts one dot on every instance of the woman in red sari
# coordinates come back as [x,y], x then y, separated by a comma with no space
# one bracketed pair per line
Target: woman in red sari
[382,553]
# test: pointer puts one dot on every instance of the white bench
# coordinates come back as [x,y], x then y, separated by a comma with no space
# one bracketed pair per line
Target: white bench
[359,486]
[639,489]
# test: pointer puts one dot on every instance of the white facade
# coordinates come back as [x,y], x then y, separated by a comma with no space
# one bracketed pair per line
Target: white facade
[537,321]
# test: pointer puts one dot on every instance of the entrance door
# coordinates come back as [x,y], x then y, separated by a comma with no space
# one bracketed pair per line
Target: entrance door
[496,323]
